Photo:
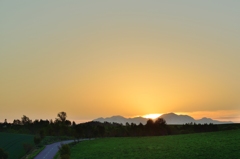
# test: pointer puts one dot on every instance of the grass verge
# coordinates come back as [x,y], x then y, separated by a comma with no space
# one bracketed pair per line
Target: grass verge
[35,152]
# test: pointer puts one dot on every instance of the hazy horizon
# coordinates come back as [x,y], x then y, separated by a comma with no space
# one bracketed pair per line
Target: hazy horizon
[77,121]
[99,59]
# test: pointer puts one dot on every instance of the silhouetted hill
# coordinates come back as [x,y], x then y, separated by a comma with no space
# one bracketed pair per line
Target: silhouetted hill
[209,120]
[171,118]
[120,119]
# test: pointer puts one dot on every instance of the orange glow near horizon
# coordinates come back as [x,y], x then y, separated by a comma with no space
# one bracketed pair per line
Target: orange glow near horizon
[152,116]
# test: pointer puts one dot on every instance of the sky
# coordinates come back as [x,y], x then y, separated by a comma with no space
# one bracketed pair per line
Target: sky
[102,58]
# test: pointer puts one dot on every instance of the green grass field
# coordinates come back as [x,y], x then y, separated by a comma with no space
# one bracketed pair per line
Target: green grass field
[13,144]
[214,145]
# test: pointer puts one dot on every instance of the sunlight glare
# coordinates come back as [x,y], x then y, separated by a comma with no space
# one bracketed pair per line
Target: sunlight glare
[152,116]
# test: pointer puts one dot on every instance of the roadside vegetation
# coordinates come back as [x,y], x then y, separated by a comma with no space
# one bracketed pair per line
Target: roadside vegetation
[46,141]
[214,145]
[22,145]
[65,151]
[34,153]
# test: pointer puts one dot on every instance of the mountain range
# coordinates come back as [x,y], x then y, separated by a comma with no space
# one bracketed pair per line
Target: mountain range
[171,118]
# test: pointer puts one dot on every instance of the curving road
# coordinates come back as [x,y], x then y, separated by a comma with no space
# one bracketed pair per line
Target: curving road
[50,150]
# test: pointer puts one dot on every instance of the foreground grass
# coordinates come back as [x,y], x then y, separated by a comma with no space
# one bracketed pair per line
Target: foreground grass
[215,145]
[13,144]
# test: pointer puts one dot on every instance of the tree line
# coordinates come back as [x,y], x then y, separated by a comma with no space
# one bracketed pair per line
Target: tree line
[63,127]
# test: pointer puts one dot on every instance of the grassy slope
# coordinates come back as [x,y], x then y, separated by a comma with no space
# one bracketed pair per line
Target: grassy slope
[13,144]
[215,145]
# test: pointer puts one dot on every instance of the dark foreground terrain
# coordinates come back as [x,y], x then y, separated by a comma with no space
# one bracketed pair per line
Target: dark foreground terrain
[15,144]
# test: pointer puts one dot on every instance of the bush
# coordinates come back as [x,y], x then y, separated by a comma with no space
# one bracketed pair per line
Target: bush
[3,154]
[64,151]
[65,157]
[27,147]
[37,139]
[42,134]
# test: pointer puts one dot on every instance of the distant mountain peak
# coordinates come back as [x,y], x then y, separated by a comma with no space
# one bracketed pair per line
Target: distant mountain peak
[117,116]
[171,118]
[170,113]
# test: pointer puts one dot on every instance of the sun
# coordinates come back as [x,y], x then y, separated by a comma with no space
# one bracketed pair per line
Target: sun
[152,116]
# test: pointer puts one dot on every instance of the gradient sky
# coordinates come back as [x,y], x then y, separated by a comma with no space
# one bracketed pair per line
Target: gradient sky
[97,59]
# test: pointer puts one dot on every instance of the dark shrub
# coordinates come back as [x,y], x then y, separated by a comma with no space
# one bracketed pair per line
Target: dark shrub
[27,147]
[64,151]
[37,139]
[3,154]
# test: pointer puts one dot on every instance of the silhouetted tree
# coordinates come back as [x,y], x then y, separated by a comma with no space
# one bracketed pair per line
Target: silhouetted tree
[150,122]
[26,120]
[150,127]
[62,116]
[17,122]
[51,121]
[68,122]
[73,123]
[160,122]
[36,121]
[161,127]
